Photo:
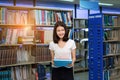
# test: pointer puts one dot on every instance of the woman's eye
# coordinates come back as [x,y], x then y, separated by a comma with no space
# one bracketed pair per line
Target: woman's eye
[58,30]
[62,30]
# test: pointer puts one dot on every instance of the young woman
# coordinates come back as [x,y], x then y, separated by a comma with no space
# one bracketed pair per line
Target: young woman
[62,48]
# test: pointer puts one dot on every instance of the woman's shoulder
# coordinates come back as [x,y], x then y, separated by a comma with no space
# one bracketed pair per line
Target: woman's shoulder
[70,40]
[51,43]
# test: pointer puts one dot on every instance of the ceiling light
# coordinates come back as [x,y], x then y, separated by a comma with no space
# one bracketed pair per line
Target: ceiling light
[105,4]
[67,0]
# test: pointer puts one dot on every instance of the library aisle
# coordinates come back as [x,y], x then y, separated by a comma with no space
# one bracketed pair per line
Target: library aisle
[81,76]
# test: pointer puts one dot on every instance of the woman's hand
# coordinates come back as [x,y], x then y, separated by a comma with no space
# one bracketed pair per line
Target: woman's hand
[71,65]
[52,62]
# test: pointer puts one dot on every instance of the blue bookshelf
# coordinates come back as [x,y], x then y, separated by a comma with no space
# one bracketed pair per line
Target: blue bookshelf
[95,40]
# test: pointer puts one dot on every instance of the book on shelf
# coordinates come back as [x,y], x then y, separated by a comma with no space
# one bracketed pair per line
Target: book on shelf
[8,56]
[20,73]
[80,23]
[16,35]
[47,17]
[70,33]
[41,72]
[44,35]
[111,20]
[41,53]
[5,74]
[80,34]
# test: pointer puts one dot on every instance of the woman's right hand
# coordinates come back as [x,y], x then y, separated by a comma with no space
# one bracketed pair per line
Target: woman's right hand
[52,62]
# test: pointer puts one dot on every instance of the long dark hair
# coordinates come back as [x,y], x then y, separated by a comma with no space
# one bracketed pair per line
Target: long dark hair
[55,36]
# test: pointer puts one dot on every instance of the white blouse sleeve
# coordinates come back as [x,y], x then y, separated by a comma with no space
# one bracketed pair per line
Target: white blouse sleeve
[51,46]
[73,45]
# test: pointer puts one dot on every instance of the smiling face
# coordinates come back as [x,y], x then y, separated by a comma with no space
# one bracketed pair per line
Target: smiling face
[60,32]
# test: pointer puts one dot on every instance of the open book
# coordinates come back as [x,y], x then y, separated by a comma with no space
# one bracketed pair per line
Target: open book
[61,63]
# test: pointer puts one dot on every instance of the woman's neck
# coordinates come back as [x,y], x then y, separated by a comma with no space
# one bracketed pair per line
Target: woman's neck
[61,40]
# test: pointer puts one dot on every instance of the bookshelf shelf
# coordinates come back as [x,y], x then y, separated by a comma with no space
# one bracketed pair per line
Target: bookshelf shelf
[42,44]
[44,25]
[78,60]
[80,69]
[117,67]
[111,44]
[115,77]
[12,45]
[18,64]
[111,55]
[112,27]
[50,26]
[112,41]
[26,63]
[44,63]
[81,39]
[32,8]
[25,25]
[24,37]
[15,25]
[24,44]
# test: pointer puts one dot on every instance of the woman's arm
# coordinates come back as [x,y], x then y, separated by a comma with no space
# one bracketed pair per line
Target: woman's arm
[52,56]
[73,56]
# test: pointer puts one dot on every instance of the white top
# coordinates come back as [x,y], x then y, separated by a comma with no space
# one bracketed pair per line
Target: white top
[65,52]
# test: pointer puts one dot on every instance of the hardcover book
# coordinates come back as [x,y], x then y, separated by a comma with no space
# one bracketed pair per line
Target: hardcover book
[61,63]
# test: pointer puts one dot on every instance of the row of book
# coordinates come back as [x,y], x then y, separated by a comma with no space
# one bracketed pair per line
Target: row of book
[83,45]
[41,72]
[15,55]
[46,17]
[8,56]
[112,74]
[80,23]
[80,34]
[5,74]
[81,39]
[24,54]
[8,16]
[20,73]
[111,48]
[16,35]
[111,62]
[41,53]
[111,20]
[44,35]
[82,60]
[82,54]
[112,34]
[38,17]
[25,72]
[26,35]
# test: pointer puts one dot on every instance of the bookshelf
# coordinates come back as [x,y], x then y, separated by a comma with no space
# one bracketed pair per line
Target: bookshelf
[111,44]
[25,33]
[104,46]
[95,41]
[81,39]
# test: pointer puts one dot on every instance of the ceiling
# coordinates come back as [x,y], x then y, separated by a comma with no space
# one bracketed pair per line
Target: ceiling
[115,2]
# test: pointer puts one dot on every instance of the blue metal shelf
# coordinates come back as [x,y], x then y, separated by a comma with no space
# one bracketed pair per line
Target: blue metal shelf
[95,39]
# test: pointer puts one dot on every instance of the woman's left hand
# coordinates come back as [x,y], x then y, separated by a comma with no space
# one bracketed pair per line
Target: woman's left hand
[71,65]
